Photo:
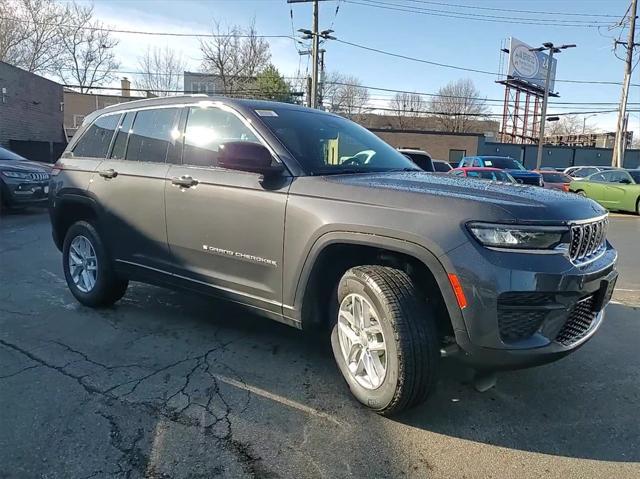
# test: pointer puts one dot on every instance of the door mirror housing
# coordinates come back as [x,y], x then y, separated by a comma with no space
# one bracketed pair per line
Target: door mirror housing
[249,157]
[625,181]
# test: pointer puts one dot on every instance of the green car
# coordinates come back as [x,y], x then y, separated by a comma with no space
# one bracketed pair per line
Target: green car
[614,189]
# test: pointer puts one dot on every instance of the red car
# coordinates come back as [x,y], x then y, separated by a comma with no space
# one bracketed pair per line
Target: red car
[494,174]
[554,180]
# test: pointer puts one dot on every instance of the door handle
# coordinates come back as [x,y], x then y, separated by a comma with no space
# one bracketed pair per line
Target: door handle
[184,181]
[110,173]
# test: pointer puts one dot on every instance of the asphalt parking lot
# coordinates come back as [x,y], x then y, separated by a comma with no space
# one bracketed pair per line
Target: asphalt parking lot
[169,385]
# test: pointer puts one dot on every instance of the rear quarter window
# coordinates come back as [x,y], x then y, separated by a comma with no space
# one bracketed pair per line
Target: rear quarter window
[96,139]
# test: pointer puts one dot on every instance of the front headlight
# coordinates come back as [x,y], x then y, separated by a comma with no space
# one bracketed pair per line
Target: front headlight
[518,236]
[16,174]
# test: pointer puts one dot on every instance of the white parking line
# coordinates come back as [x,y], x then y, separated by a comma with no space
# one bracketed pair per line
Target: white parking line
[274,397]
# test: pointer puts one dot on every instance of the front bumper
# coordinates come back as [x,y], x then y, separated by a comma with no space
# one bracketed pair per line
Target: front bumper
[17,192]
[528,309]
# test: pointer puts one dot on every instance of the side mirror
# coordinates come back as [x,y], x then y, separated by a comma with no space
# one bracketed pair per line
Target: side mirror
[519,180]
[625,181]
[247,156]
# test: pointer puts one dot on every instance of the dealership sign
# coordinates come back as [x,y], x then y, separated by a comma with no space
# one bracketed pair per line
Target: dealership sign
[528,66]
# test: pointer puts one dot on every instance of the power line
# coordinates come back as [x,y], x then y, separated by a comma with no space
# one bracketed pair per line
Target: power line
[475,7]
[455,67]
[469,16]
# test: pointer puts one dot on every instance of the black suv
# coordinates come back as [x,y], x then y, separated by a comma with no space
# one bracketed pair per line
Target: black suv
[309,219]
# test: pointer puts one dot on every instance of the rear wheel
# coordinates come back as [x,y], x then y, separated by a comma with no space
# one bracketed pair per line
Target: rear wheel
[384,339]
[88,268]
[638,206]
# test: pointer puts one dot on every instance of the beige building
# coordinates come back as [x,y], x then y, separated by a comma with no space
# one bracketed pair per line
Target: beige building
[78,105]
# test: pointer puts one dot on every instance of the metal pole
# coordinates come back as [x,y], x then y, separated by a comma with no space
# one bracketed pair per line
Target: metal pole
[314,57]
[320,92]
[543,116]
[618,146]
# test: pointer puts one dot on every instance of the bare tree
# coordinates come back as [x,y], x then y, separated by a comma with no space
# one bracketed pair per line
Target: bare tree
[87,58]
[407,106]
[569,125]
[29,34]
[161,71]
[236,55]
[345,94]
[458,106]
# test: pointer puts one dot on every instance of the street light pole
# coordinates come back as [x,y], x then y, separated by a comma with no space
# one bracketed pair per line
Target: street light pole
[545,99]
[314,56]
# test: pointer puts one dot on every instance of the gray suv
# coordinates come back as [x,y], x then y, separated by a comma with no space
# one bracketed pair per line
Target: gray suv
[309,219]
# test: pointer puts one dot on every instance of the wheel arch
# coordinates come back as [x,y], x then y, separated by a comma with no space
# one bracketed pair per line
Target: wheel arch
[69,208]
[335,252]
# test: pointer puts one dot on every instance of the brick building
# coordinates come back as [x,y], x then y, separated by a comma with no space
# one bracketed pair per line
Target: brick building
[31,116]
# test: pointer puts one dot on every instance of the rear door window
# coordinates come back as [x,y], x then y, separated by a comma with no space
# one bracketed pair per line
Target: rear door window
[122,133]
[96,139]
[153,133]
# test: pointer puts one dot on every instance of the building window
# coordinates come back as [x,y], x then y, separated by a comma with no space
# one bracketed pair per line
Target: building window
[456,155]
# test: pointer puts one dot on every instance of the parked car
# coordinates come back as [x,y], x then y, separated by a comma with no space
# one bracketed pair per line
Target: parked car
[580,172]
[442,166]
[511,166]
[615,189]
[420,158]
[401,266]
[493,174]
[22,182]
[554,180]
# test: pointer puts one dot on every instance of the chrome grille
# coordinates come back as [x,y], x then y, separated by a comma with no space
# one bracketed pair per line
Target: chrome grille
[39,176]
[587,240]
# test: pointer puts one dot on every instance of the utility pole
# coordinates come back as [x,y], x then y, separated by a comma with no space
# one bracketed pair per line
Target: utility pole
[314,35]
[618,147]
[545,99]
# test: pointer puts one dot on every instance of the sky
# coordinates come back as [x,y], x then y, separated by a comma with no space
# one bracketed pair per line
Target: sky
[432,35]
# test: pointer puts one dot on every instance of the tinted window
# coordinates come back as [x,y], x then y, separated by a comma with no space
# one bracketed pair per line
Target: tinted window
[597,177]
[503,162]
[152,134]
[635,174]
[555,177]
[97,138]
[441,166]
[9,155]
[122,133]
[583,172]
[422,160]
[326,144]
[613,176]
[206,130]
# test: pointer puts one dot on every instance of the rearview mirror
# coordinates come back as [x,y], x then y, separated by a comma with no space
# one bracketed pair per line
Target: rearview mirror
[247,156]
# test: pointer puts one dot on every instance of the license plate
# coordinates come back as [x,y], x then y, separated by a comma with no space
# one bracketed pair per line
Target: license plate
[46,190]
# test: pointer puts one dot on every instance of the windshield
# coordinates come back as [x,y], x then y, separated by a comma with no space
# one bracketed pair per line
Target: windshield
[555,177]
[503,163]
[490,175]
[9,155]
[327,144]
[635,174]
[584,172]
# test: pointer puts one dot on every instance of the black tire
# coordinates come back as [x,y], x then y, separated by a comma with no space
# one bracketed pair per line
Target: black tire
[581,193]
[638,206]
[410,334]
[108,287]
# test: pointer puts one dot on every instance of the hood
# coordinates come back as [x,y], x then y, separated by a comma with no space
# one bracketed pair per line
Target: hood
[522,173]
[520,202]
[22,165]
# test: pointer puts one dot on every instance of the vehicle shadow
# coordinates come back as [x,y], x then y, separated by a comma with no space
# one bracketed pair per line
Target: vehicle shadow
[583,406]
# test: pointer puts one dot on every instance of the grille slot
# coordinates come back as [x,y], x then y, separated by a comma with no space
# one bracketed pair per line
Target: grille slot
[38,176]
[579,322]
[587,240]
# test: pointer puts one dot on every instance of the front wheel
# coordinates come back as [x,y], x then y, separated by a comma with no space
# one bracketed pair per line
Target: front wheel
[581,193]
[88,268]
[385,339]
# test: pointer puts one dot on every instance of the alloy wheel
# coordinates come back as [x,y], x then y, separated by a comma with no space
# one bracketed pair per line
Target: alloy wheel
[362,342]
[83,264]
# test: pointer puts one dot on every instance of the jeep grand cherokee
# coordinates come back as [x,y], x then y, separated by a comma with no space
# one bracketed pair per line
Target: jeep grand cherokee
[309,219]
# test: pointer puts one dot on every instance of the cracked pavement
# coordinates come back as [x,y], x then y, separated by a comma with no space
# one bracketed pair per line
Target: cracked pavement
[170,385]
